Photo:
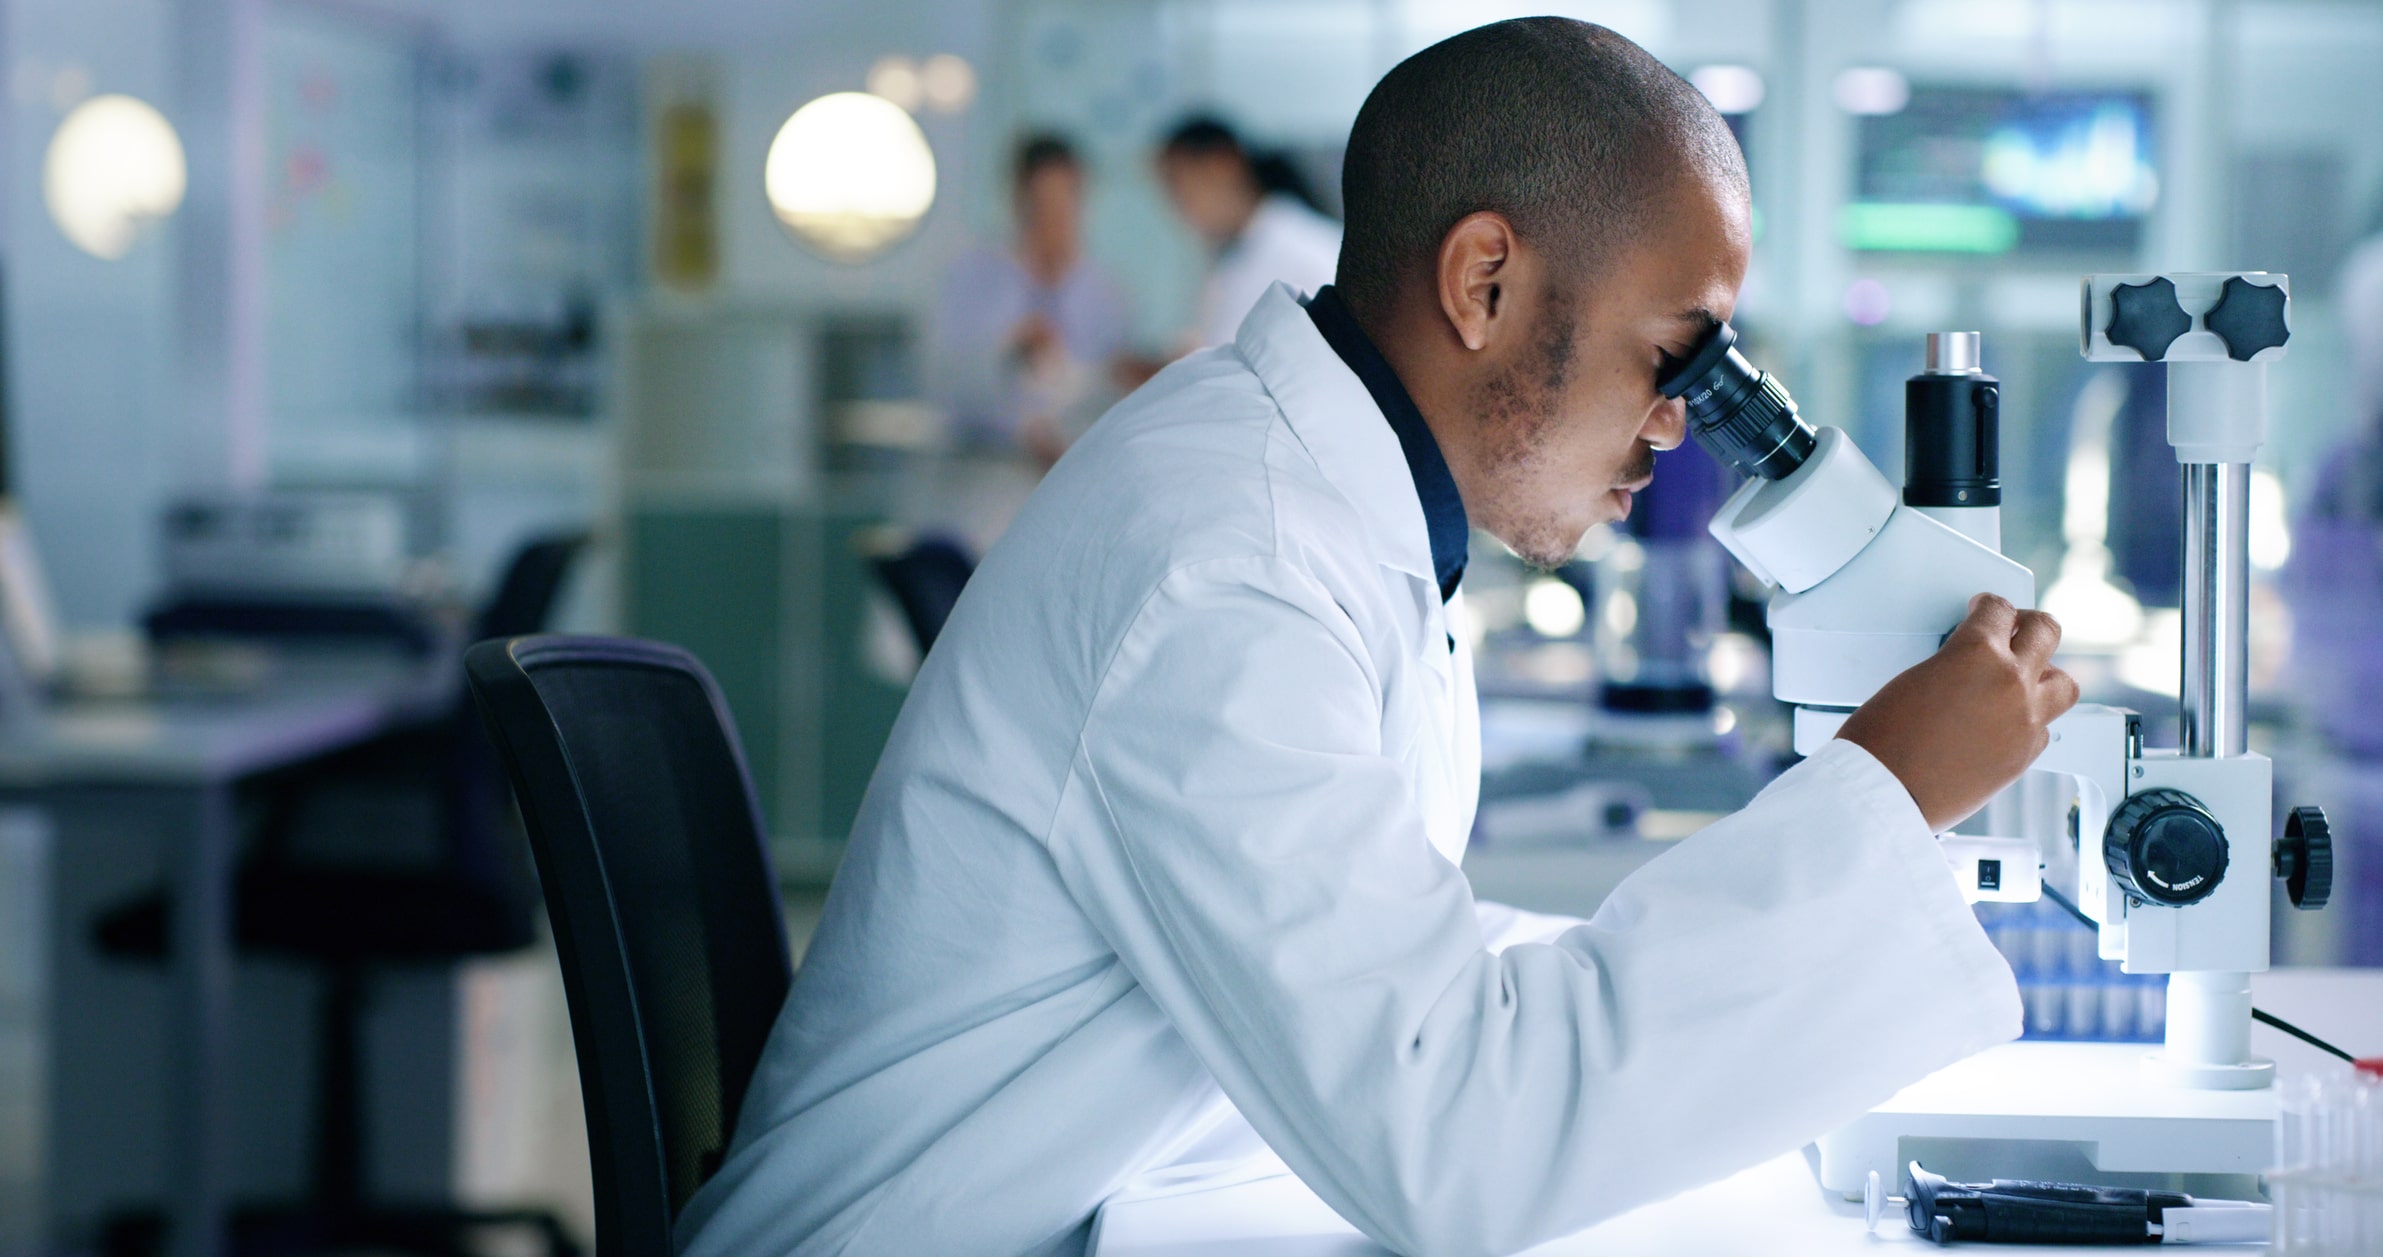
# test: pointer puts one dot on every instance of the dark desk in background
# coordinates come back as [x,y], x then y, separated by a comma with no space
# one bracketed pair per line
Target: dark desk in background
[177,761]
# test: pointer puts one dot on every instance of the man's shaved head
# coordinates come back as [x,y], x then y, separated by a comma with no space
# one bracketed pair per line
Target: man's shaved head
[1567,129]
[1540,216]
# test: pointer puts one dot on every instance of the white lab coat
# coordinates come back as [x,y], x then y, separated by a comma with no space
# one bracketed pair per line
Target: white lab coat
[1284,242]
[1166,837]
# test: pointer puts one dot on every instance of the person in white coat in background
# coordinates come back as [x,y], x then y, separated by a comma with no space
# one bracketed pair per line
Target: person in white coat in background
[1259,229]
[1160,866]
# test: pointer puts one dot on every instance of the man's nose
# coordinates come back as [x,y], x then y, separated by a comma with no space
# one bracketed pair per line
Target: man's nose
[1667,424]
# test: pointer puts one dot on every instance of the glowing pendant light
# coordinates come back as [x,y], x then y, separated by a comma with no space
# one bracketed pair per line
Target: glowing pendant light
[114,167]
[849,175]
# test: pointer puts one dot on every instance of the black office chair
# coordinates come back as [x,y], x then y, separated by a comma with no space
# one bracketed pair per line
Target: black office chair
[649,845]
[926,580]
[473,896]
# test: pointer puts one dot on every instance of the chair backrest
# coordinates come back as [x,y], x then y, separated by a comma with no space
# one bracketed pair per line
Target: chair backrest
[926,580]
[650,850]
[525,594]
[482,845]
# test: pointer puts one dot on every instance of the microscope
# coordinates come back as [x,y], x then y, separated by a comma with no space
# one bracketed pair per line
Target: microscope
[2172,851]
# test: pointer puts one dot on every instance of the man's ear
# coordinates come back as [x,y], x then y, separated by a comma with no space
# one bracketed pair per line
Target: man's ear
[1475,263]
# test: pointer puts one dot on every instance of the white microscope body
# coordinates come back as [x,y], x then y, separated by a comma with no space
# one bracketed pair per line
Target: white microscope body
[2172,849]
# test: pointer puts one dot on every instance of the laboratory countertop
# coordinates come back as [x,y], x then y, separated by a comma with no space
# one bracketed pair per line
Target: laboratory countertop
[1775,1209]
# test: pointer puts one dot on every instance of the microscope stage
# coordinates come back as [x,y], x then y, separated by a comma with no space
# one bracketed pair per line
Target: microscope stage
[2068,1111]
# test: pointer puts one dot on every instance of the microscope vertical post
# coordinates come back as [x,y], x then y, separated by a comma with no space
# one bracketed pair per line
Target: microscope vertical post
[2215,697]
[2216,332]
[2209,1013]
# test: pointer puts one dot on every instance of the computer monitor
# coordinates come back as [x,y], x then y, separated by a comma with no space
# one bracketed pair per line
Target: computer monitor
[1987,170]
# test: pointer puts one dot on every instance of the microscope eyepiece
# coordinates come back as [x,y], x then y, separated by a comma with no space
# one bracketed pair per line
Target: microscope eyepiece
[1740,415]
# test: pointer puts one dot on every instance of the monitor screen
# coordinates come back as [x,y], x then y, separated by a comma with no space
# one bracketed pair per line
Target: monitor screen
[1990,170]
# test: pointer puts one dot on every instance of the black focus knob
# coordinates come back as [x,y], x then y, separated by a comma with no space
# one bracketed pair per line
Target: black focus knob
[2304,858]
[2163,847]
[2248,317]
[2147,318]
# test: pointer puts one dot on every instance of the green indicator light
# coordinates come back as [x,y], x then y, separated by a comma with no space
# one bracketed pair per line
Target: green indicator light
[1884,227]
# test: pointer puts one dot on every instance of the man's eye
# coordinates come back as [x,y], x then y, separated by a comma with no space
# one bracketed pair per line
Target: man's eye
[1666,366]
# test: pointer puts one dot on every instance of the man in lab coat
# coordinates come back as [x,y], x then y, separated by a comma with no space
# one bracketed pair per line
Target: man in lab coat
[1161,860]
[1027,342]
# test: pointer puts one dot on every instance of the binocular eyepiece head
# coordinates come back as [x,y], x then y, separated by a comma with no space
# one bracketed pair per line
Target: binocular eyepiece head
[1738,414]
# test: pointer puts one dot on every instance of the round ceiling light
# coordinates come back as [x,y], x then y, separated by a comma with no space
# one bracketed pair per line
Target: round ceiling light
[850,174]
[1733,89]
[114,167]
[898,79]
[947,82]
[1871,91]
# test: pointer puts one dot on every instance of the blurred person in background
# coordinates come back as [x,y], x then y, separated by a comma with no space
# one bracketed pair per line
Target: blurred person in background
[2334,585]
[1257,215]
[2334,579]
[1027,343]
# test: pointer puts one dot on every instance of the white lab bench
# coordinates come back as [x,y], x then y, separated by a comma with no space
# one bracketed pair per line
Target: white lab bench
[1776,1209]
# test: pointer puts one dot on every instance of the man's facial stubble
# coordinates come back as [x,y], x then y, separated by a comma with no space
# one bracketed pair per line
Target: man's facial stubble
[1519,410]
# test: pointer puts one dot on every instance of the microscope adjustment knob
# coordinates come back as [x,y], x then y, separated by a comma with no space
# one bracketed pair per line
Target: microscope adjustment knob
[2163,847]
[2147,318]
[2248,317]
[2304,858]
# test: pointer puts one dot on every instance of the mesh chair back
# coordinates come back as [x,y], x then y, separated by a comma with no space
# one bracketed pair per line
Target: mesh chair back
[483,846]
[650,851]
[526,594]
[926,581]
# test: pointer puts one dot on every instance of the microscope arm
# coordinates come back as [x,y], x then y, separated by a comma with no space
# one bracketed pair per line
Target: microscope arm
[1867,586]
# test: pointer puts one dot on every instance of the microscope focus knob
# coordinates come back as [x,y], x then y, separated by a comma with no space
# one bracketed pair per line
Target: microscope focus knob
[2248,317]
[2304,858]
[2163,847]
[2147,317]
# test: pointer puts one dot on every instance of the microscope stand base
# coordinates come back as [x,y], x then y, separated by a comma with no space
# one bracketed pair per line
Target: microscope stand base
[2062,1111]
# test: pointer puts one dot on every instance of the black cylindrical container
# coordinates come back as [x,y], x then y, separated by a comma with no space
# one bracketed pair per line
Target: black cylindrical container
[1952,444]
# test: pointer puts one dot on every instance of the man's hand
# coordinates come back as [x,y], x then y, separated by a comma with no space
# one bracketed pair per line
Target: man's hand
[1964,724]
[1035,343]
[1040,437]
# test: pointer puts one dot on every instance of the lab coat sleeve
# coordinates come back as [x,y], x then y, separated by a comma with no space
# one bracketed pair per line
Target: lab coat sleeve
[1260,866]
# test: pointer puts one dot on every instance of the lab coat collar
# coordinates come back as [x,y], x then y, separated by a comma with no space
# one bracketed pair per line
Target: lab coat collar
[1443,508]
[1332,414]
